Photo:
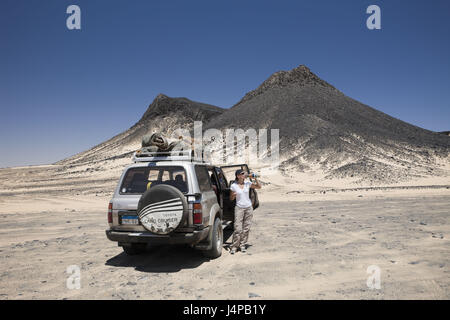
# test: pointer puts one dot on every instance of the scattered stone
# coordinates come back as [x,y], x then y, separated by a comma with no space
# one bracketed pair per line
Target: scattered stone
[253,295]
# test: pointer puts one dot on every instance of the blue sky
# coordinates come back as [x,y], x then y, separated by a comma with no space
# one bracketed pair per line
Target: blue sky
[63,91]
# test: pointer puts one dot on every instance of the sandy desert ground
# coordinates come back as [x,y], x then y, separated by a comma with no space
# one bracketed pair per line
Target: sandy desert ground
[308,241]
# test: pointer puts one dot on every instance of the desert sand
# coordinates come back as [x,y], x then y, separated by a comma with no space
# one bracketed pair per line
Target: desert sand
[311,239]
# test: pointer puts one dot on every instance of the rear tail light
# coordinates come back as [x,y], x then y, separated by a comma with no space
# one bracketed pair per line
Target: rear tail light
[110,220]
[197,212]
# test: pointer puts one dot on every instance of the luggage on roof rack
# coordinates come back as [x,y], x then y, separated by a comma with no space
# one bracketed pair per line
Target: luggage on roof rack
[146,155]
[156,139]
[155,147]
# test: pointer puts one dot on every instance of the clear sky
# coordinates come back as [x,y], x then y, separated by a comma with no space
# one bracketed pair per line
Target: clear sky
[63,91]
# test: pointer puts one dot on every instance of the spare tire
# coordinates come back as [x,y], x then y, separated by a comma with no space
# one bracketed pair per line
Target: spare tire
[162,209]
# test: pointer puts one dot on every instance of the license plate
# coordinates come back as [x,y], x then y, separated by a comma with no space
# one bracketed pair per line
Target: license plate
[130,220]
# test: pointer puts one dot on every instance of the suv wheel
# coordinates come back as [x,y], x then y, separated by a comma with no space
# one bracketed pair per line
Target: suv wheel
[134,248]
[216,241]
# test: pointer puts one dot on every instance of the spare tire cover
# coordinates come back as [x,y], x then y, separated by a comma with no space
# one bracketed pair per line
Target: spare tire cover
[162,208]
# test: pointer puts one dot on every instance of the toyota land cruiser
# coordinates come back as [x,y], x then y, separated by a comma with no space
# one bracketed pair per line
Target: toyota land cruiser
[172,199]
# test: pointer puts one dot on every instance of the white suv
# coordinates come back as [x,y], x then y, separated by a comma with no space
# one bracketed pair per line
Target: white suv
[172,200]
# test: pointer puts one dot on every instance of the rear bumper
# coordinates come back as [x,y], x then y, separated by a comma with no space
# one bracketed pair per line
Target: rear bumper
[147,237]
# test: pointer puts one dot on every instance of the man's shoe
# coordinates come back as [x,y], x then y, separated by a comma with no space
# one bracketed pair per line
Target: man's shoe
[243,249]
[233,251]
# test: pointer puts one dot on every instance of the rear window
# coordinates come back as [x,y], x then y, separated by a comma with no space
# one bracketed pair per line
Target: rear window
[137,180]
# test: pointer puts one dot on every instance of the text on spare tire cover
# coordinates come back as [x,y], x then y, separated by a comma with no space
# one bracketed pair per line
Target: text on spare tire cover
[162,217]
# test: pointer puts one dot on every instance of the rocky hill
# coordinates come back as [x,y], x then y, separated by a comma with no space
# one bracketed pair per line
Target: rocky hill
[323,129]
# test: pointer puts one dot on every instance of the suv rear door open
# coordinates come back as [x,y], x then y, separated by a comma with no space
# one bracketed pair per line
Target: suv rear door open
[228,173]
[223,193]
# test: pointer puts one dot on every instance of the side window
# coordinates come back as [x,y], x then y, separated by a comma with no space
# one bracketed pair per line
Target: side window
[222,180]
[203,178]
[212,178]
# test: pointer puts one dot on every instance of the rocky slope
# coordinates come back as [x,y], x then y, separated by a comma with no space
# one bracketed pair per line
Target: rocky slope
[323,129]
[164,114]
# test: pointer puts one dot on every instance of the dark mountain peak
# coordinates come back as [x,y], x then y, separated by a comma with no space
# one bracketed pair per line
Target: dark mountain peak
[300,76]
[164,105]
[160,96]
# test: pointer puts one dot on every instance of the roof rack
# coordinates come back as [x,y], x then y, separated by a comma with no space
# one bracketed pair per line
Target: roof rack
[179,155]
